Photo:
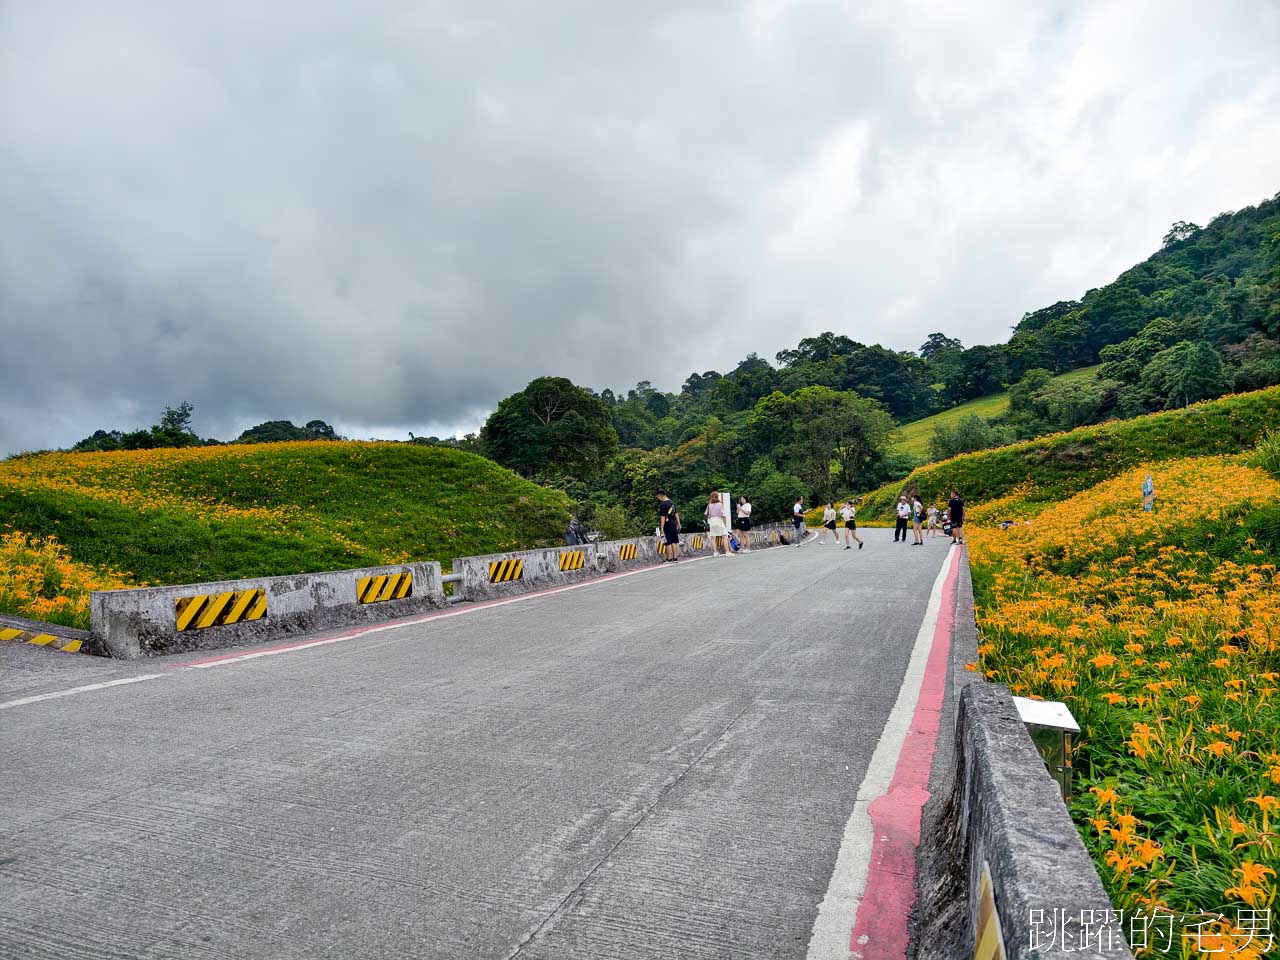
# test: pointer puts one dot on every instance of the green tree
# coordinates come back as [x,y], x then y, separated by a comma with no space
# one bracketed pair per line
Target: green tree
[816,427]
[968,434]
[272,431]
[551,426]
[1183,374]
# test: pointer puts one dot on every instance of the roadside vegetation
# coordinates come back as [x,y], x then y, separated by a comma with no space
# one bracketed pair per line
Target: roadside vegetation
[76,522]
[1159,630]
[1022,477]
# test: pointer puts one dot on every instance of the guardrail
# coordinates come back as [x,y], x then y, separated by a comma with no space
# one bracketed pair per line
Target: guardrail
[154,620]
[1003,871]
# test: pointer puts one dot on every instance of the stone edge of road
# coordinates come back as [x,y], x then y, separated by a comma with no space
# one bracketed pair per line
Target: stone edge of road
[987,775]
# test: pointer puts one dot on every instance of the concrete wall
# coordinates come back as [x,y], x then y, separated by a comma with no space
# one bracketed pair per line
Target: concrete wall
[994,803]
[143,622]
[646,553]
[538,568]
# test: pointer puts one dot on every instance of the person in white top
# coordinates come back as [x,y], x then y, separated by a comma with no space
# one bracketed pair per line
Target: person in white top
[904,513]
[847,513]
[797,520]
[931,520]
[829,524]
[744,524]
[917,518]
[717,526]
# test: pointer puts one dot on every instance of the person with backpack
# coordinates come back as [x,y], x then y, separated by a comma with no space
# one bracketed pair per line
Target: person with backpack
[917,518]
[848,512]
[669,524]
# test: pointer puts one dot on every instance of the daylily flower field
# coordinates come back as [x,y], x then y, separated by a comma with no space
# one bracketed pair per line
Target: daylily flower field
[1161,631]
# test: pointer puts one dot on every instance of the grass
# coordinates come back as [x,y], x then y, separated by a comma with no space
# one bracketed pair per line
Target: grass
[1036,472]
[914,437]
[212,513]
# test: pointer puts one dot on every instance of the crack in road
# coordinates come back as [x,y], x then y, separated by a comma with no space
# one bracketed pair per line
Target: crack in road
[571,898]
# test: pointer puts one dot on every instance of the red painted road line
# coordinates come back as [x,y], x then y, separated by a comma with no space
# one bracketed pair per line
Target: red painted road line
[256,652]
[880,932]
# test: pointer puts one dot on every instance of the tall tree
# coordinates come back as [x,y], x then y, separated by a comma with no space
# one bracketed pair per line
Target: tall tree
[551,426]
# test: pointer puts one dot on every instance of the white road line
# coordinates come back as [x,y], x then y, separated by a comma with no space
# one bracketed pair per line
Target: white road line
[73,690]
[839,908]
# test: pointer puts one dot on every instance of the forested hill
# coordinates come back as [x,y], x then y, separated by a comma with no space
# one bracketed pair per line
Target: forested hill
[1199,318]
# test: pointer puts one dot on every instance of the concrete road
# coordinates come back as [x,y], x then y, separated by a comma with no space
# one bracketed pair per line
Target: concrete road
[659,765]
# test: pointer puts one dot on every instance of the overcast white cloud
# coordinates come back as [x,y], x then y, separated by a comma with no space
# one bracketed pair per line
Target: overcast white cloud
[392,214]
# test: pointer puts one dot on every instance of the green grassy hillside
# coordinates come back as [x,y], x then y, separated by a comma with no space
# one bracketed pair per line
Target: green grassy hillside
[1062,464]
[210,513]
[913,438]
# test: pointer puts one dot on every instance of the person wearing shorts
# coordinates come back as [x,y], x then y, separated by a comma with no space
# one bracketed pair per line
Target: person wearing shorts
[669,524]
[931,520]
[829,525]
[744,524]
[797,520]
[848,513]
[917,518]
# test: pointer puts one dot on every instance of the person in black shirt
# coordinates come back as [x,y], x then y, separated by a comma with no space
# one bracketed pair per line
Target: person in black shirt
[955,507]
[669,524]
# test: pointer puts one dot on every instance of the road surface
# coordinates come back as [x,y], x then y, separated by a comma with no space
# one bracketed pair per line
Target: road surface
[658,765]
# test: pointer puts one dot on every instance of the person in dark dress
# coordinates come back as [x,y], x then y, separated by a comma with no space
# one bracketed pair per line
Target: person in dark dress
[955,507]
[669,524]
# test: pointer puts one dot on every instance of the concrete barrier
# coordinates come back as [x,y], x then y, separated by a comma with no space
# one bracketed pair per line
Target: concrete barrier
[199,616]
[996,838]
[629,554]
[508,574]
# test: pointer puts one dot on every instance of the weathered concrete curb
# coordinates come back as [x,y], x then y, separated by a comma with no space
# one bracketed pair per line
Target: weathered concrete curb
[51,636]
[1000,808]
[143,622]
[537,568]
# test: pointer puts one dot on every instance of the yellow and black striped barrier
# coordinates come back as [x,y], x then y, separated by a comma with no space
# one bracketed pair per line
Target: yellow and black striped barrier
[217,609]
[386,586]
[571,560]
[697,542]
[989,939]
[627,551]
[41,639]
[504,571]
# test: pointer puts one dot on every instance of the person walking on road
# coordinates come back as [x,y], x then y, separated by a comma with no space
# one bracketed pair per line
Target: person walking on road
[956,508]
[797,520]
[904,512]
[717,526]
[917,518]
[669,524]
[744,524]
[931,520]
[847,513]
[829,525]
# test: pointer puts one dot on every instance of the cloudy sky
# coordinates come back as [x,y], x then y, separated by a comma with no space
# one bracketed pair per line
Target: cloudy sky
[391,214]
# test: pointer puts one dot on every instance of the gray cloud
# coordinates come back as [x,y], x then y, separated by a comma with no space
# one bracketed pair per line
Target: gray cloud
[395,213]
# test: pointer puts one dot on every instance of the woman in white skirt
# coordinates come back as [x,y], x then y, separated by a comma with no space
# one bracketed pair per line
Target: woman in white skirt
[718,526]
